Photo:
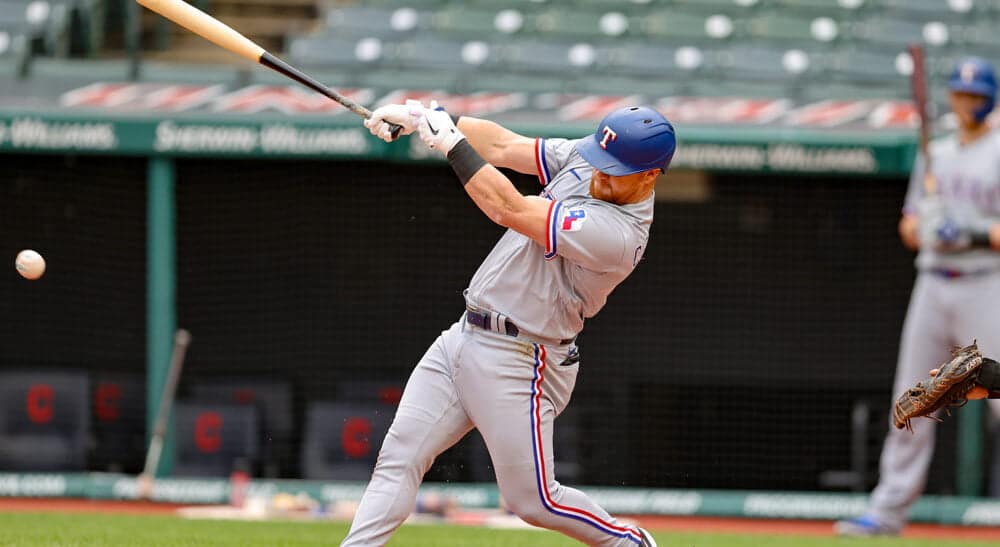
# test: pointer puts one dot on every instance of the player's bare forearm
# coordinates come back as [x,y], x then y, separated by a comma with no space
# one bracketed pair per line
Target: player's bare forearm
[498,145]
[497,197]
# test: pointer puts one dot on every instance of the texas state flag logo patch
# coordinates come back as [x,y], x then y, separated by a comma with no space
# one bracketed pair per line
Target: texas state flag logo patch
[573,220]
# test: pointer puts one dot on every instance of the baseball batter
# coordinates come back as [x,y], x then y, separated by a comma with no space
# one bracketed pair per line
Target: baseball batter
[508,366]
[957,291]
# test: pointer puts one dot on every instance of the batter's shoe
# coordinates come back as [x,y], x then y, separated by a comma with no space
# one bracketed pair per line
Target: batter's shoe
[866,525]
[647,538]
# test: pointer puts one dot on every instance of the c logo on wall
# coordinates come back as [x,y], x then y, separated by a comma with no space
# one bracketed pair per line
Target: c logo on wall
[208,432]
[355,437]
[38,403]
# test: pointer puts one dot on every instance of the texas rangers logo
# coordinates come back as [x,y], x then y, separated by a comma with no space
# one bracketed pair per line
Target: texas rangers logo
[574,220]
[609,135]
[967,73]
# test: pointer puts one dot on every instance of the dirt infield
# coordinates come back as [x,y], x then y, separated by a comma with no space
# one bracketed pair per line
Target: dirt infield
[686,524]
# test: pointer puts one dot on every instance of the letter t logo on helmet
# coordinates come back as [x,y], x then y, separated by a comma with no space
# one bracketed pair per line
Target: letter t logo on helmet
[609,134]
[643,138]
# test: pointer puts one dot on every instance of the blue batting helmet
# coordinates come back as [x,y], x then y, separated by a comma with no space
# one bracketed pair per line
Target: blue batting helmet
[630,140]
[975,75]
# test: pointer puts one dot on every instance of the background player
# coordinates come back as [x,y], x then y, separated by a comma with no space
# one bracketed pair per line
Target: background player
[509,365]
[957,291]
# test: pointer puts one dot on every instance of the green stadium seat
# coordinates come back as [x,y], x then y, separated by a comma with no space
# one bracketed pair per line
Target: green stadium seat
[479,23]
[356,21]
[331,50]
[735,8]
[979,38]
[779,27]
[841,10]
[563,22]
[435,52]
[761,63]
[865,66]
[887,33]
[656,62]
[926,10]
[14,54]
[668,25]
[536,56]
[45,24]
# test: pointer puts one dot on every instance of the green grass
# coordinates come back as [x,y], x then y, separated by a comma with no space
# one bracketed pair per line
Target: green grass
[72,530]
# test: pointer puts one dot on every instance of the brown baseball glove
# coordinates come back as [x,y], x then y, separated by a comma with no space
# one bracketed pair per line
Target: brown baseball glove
[953,381]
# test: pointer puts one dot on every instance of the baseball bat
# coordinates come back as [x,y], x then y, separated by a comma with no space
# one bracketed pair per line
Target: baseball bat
[181,341]
[223,35]
[918,87]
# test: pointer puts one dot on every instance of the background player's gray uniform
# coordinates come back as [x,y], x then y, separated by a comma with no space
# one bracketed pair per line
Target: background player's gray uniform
[955,299]
[512,388]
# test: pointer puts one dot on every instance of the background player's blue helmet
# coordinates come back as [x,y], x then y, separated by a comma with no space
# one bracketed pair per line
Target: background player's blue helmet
[976,76]
[630,140]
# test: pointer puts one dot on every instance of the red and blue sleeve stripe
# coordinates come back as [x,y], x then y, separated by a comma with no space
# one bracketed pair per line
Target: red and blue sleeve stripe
[540,163]
[551,242]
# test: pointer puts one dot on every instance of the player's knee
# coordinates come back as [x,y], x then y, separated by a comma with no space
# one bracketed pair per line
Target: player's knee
[531,511]
[401,451]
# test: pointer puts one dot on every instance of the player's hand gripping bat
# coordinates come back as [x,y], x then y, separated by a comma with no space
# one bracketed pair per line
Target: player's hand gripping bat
[220,34]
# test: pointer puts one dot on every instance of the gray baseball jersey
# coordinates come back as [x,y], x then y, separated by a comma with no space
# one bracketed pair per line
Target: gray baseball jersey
[954,302]
[511,388]
[968,180]
[592,246]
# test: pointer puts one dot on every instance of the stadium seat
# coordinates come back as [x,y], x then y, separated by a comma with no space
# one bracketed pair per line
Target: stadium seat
[273,401]
[562,23]
[328,50]
[118,420]
[14,54]
[476,23]
[46,24]
[760,63]
[840,10]
[361,21]
[672,27]
[885,32]
[44,421]
[926,10]
[341,440]
[867,66]
[213,439]
[780,27]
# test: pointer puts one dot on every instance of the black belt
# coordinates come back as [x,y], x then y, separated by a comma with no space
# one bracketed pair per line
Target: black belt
[492,321]
[498,322]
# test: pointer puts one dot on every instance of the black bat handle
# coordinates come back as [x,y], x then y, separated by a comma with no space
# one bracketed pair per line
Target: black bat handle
[276,64]
[394,130]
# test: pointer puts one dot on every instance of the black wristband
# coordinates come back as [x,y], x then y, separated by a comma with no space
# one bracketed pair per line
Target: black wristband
[454,119]
[465,161]
[980,239]
[989,375]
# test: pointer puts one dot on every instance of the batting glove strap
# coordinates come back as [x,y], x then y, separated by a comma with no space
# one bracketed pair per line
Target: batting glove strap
[465,161]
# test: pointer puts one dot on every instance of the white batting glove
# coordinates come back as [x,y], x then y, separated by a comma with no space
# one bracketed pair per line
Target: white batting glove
[437,129]
[399,114]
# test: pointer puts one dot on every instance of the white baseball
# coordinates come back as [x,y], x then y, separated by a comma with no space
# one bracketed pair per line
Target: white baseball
[29,264]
